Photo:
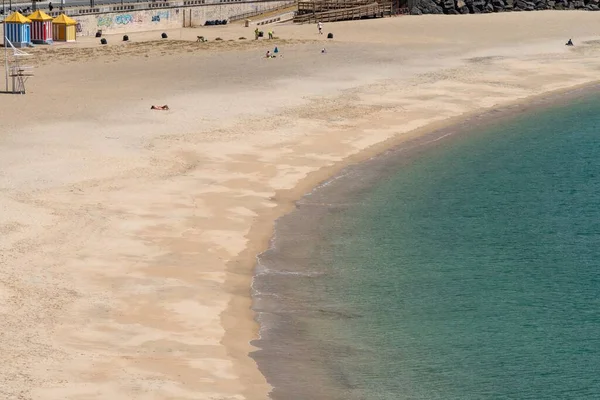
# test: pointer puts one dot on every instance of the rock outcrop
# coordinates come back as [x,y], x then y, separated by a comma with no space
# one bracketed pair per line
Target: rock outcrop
[489,6]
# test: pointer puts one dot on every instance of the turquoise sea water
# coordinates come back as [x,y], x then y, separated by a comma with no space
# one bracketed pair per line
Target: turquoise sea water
[470,270]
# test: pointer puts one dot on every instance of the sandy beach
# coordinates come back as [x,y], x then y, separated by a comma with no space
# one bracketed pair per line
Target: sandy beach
[128,236]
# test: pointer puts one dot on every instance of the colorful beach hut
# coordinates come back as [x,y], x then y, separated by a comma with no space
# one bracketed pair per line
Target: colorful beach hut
[41,27]
[63,28]
[17,29]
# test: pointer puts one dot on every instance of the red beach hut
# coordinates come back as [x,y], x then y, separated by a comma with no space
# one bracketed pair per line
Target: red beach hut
[41,27]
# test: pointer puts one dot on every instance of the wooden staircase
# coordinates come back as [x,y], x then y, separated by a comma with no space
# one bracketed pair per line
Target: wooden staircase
[341,10]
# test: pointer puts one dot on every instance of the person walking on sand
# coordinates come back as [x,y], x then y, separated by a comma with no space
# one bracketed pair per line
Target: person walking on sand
[271,34]
[320,26]
[256,34]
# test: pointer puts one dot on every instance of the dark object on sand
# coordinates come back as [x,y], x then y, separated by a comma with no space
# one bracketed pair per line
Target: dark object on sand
[103,41]
[215,22]
[125,38]
[98,33]
[330,35]
[569,43]
[261,34]
[201,39]
[163,35]
[162,108]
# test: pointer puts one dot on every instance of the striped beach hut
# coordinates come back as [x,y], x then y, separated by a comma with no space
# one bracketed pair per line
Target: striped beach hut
[64,28]
[41,27]
[17,28]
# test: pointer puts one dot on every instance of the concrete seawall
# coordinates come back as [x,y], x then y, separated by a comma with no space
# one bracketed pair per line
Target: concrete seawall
[165,18]
[168,17]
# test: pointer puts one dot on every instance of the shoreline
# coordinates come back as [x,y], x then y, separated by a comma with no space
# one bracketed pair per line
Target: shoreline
[261,236]
[146,224]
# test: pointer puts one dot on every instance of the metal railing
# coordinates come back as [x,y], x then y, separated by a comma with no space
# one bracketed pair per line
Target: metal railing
[110,6]
[246,15]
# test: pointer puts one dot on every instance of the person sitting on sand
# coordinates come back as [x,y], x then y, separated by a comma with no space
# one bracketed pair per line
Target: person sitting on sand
[165,107]
[569,43]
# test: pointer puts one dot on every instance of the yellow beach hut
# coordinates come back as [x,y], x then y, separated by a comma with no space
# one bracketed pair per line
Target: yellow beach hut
[41,27]
[63,28]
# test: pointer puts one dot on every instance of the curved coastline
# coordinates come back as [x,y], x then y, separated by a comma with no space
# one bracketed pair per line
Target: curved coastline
[146,225]
[263,235]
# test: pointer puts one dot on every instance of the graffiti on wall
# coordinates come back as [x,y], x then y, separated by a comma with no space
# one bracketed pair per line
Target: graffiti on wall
[104,21]
[160,15]
[124,19]
[121,19]
[78,28]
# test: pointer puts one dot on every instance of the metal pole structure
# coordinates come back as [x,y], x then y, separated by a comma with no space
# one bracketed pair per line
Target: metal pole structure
[6,60]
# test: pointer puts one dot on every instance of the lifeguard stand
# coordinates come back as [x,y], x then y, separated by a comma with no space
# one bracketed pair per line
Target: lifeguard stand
[15,70]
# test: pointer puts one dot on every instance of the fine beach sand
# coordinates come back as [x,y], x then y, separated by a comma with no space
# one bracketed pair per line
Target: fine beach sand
[128,236]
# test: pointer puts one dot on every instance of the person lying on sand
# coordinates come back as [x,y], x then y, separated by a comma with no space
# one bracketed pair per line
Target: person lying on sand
[165,107]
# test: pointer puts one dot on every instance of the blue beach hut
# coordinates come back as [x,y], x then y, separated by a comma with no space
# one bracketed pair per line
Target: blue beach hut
[17,29]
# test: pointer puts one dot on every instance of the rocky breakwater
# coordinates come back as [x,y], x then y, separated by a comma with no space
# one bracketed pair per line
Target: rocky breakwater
[488,6]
